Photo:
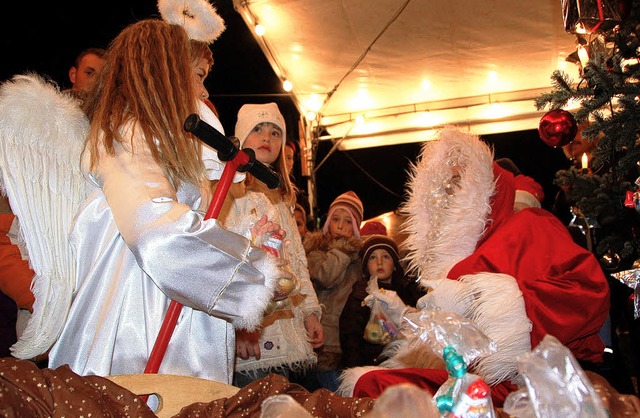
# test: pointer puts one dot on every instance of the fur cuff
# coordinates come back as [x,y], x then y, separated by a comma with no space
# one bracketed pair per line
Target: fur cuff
[349,246]
[499,311]
[349,377]
[253,312]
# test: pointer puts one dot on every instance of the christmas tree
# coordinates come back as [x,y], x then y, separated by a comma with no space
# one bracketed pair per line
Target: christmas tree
[605,196]
[608,93]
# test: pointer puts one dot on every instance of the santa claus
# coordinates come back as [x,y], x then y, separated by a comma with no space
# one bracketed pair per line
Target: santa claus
[518,276]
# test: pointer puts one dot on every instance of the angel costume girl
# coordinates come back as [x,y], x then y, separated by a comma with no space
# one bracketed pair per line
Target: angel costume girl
[141,241]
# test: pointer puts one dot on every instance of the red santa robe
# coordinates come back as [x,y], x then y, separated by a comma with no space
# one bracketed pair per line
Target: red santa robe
[564,290]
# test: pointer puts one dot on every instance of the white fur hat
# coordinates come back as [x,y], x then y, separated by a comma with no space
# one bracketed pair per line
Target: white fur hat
[251,115]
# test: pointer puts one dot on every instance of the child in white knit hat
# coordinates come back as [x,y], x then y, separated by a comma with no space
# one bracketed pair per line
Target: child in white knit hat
[288,335]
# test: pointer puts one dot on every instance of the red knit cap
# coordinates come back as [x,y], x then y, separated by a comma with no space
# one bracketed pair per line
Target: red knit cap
[351,202]
[373,227]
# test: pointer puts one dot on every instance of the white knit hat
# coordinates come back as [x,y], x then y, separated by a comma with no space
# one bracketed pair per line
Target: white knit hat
[251,115]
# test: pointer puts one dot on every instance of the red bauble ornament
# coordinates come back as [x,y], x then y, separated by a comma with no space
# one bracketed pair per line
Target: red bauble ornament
[557,128]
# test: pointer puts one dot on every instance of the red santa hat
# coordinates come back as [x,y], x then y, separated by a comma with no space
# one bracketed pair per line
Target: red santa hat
[528,191]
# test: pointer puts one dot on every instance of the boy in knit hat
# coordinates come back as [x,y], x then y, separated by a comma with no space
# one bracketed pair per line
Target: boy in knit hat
[334,266]
[380,260]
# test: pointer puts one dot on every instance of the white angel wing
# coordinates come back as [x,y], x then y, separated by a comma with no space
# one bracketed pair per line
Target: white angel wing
[42,133]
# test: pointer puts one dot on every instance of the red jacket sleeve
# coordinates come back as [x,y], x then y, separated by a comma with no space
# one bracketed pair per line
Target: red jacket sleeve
[15,273]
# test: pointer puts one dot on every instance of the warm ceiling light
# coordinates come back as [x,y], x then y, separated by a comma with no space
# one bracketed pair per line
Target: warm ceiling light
[287,85]
[260,30]
[311,115]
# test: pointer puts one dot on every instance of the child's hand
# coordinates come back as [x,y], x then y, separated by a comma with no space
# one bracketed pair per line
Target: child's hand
[265,227]
[247,344]
[314,330]
[392,305]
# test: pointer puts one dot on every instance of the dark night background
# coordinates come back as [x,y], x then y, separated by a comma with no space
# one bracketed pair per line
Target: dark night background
[51,34]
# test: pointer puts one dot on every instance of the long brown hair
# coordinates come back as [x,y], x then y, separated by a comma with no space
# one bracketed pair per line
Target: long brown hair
[147,80]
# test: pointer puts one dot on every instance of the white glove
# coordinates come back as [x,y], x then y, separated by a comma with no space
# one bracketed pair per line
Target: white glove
[448,295]
[393,306]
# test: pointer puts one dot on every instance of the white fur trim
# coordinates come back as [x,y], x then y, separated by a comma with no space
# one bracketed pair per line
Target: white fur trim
[198,17]
[401,353]
[499,311]
[349,377]
[268,266]
[527,199]
[450,187]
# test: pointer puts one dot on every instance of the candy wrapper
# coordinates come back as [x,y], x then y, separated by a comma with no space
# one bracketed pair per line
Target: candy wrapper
[282,406]
[460,342]
[631,278]
[556,386]
[404,400]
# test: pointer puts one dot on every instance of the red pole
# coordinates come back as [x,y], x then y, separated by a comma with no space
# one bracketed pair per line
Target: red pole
[171,317]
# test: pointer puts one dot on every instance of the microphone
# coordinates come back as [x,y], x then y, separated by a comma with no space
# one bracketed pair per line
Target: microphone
[228,151]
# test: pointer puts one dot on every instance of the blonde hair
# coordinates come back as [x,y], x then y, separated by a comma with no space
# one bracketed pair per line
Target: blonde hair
[147,80]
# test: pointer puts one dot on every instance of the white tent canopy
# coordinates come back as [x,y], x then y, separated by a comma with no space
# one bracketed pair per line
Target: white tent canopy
[382,72]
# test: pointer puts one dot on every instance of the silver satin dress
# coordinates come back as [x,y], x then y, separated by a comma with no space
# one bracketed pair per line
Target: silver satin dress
[139,243]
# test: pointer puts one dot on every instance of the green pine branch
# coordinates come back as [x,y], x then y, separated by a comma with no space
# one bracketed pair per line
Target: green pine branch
[609,95]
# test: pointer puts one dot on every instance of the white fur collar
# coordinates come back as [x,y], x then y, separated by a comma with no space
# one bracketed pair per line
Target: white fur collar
[448,208]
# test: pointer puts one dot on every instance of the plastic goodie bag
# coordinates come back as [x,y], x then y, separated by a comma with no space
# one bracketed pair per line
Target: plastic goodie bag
[556,385]
[460,343]
[379,329]
[286,287]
